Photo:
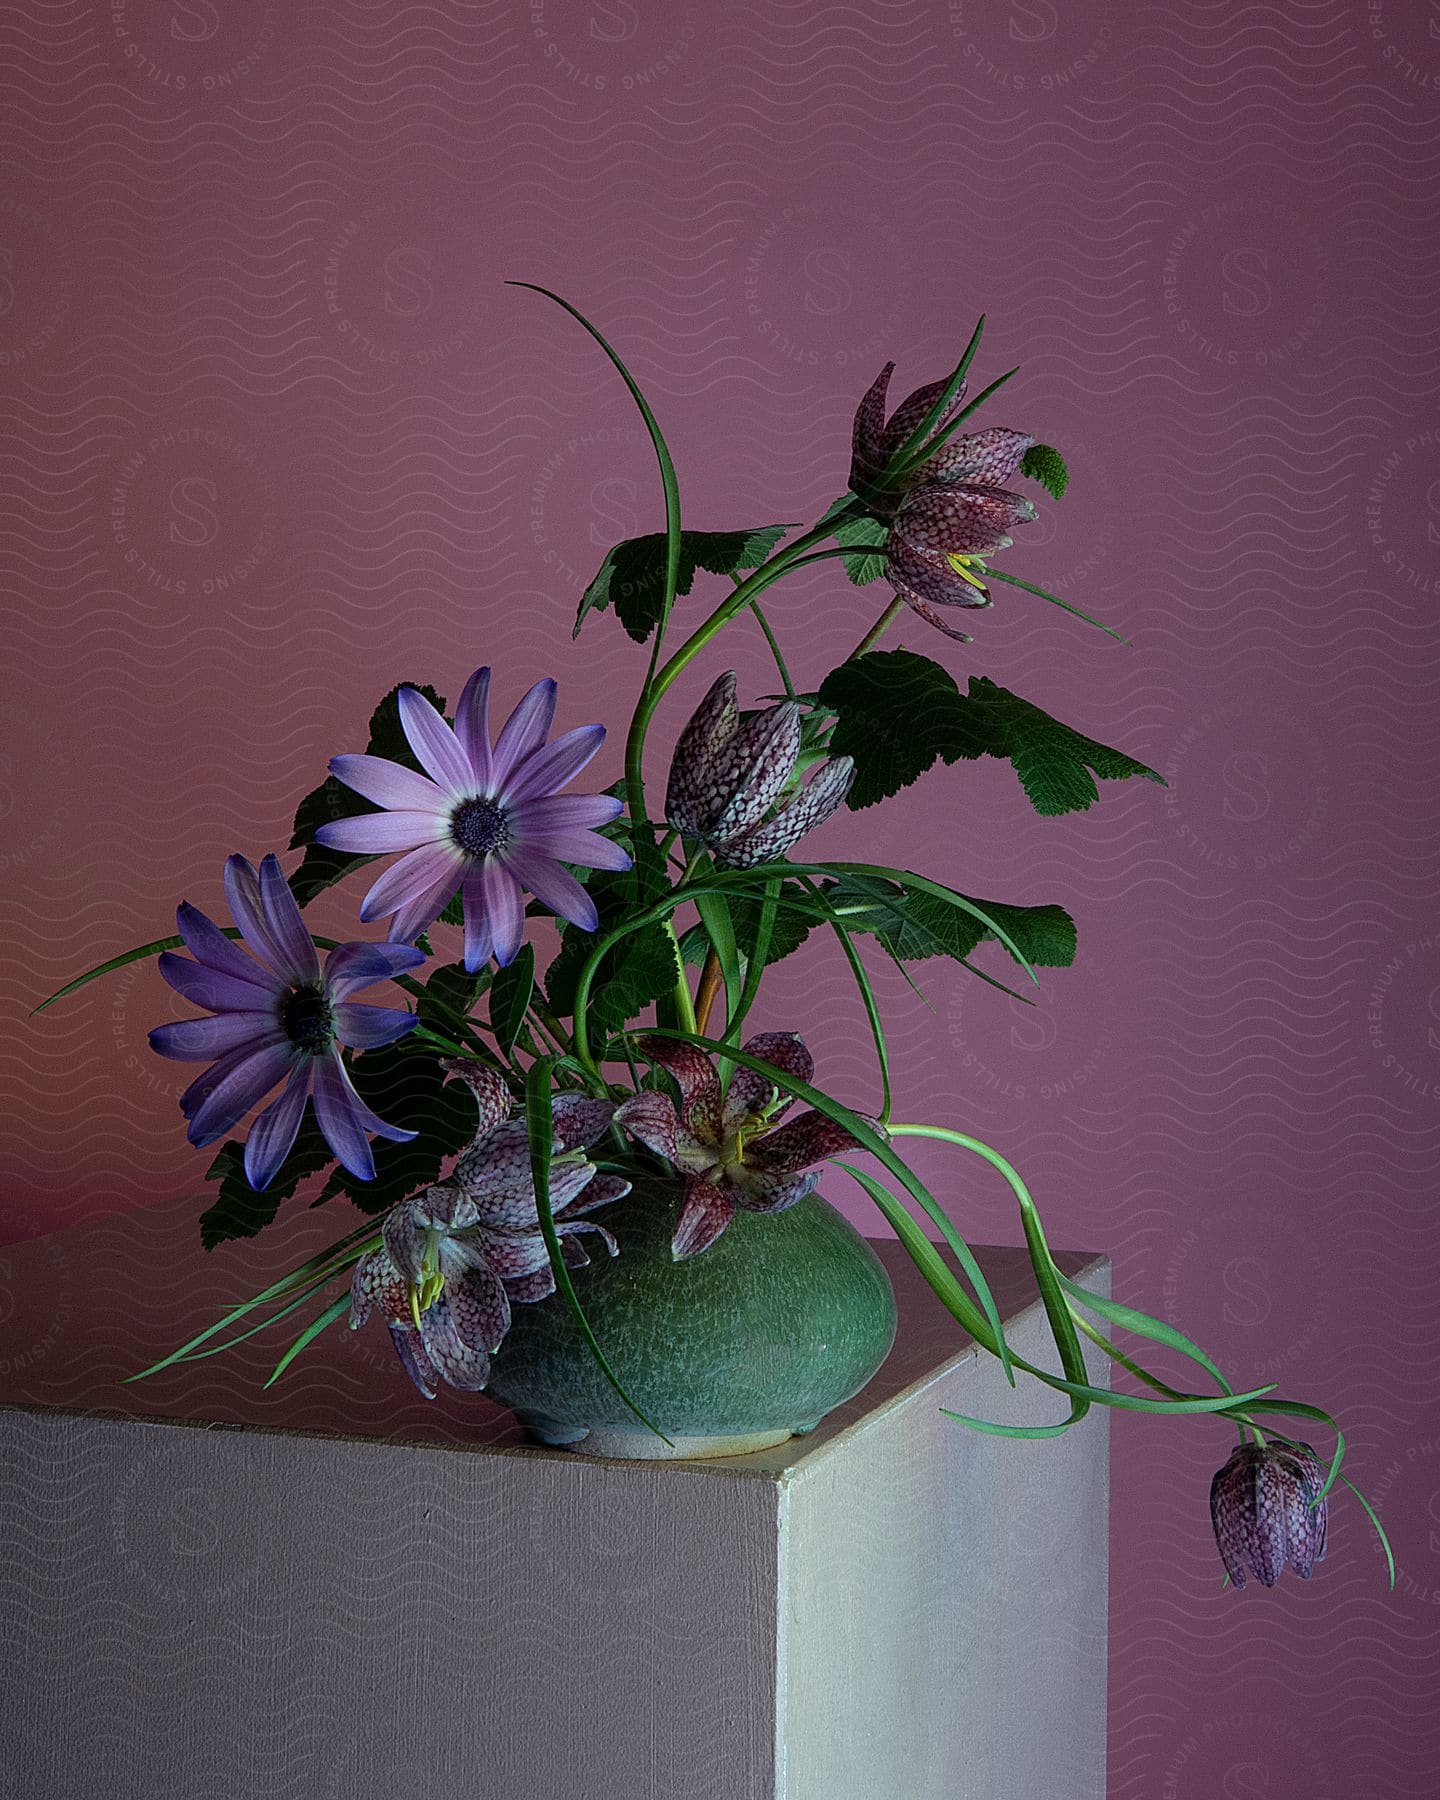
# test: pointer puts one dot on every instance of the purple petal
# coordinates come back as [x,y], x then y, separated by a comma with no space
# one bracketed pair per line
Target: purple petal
[242,892]
[479,932]
[419,913]
[410,1348]
[928,577]
[479,1307]
[651,1118]
[472,725]
[243,1083]
[524,731]
[504,909]
[492,1096]
[909,413]
[769,1193]
[527,1289]
[282,915]
[808,1138]
[801,813]
[363,1027]
[407,880]
[404,1239]
[564,843]
[753,767]
[274,1132]
[552,886]
[345,1118]
[750,1092]
[204,1040]
[377,834]
[551,767]
[377,1282]
[964,520]
[564,812]
[461,1364]
[209,945]
[698,1083]
[204,1084]
[704,1216]
[931,614]
[350,967]
[221,993]
[601,1191]
[580,1121]
[869,423]
[435,745]
[691,799]
[987,458]
[390,784]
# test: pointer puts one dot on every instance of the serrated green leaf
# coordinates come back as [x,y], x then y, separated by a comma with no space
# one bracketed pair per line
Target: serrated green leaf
[510,996]
[1053,761]
[321,868]
[863,533]
[897,712]
[916,925]
[239,1211]
[632,576]
[1045,464]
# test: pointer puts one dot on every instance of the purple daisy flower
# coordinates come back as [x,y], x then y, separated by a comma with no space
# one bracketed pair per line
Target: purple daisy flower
[1261,1512]
[486,822]
[454,1258]
[278,1016]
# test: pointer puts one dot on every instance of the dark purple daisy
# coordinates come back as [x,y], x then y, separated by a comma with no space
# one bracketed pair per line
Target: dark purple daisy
[277,1016]
[1260,1509]
[486,822]
[732,1148]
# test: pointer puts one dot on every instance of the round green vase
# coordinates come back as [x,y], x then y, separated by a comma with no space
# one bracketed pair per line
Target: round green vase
[753,1341]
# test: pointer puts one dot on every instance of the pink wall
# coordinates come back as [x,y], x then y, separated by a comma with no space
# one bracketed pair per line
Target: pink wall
[278,437]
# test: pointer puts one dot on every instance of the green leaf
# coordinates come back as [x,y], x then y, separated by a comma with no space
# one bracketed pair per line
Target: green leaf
[897,712]
[916,925]
[1045,464]
[241,1212]
[864,533]
[451,994]
[510,996]
[336,1310]
[632,576]
[321,868]
[795,918]
[714,911]
[1053,760]
[641,968]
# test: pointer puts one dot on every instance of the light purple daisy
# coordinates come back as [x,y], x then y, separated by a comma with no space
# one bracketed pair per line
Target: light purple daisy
[486,822]
[278,1016]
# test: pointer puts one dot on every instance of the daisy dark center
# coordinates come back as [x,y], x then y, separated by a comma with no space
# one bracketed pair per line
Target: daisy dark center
[307,1019]
[479,826]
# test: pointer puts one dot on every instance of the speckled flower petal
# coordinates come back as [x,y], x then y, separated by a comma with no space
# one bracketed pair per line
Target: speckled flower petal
[1249,1501]
[814,803]
[749,772]
[705,1214]
[463,1365]
[599,1192]
[696,1078]
[410,1348]
[911,410]
[963,519]
[689,801]
[492,1097]
[927,576]
[807,1138]
[579,1121]
[750,1092]
[761,1193]
[651,1118]
[987,457]
[866,432]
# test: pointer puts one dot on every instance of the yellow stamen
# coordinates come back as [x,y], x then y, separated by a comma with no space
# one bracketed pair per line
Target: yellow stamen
[963,565]
[415,1304]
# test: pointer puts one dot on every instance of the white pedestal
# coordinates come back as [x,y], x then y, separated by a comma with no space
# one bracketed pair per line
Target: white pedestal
[331,1588]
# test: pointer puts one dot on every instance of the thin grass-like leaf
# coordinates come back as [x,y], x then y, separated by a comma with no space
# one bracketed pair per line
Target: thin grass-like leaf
[308,1336]
[1129,1319]
[1055,600]
[540,1127]
[919,436]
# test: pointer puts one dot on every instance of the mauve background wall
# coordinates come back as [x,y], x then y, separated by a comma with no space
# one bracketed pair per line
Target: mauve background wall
[278,436]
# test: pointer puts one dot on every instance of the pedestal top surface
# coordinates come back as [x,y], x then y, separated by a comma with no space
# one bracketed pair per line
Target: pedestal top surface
[83,1309]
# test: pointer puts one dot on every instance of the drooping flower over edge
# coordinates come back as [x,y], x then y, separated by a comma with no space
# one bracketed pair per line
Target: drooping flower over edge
[949,512]
[733,1150]
[277,1015]
[486,822]
[1261,1512]
[455,1257]
[727,772]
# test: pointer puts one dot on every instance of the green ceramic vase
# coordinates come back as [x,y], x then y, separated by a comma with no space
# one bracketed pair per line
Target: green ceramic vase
[732,1351]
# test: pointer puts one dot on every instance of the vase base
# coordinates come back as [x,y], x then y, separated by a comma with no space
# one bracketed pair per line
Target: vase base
[644,1446]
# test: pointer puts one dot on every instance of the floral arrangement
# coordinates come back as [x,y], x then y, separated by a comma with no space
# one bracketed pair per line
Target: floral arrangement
[518,1105]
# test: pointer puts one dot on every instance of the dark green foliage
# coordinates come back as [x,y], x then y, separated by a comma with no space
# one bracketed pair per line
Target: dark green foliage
[1045,464]
[897,712]
[916,925]
[321,868]
[632,576]
[640,969]
[238,1211]
[510,995]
